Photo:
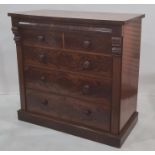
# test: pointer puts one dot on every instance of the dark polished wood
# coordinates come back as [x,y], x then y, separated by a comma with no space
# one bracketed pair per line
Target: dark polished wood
[79,130]
[78,71]
[72,61]
[82,87]
[76,111]
[42,38]
[130,70]
[118,18]
[88,42]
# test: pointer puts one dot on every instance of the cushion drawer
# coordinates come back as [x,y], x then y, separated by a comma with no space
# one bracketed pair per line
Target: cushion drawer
[89,42]
[41,38]
[69,61]
[82,87]
[69,109]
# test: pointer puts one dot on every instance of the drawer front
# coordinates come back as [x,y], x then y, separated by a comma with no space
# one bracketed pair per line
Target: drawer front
[41,38]
[88,42]
[68,109]
[82,87]
[70,61]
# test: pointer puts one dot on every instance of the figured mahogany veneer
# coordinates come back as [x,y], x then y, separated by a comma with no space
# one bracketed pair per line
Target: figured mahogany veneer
[88,64]
[78,71]
[86,88]
[72,110]
[42,38]
[88,42]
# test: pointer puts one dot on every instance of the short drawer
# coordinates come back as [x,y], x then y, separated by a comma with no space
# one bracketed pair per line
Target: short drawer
[82,87]
[68,109]
[89,42]
[41,38]
[70,61]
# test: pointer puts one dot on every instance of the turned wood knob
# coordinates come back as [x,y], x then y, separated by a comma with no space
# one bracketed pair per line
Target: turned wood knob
[40,38]
[44,102]
[86,65]
[43,78]
[42,58]
[88,112]
[86,89]
[26,68]
[86,44]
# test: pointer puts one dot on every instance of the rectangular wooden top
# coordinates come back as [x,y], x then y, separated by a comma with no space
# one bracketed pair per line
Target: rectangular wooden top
[101,16]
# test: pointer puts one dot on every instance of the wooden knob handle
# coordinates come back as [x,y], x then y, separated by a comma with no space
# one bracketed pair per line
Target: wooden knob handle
[43,78]
[26,68]
[86,43]
[42,58]
[44,102]
[40,38]
[86,65]
[88,112]
[86,89]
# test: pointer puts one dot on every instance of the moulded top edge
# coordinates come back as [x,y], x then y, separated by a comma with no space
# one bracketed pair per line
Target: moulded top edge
[97,16]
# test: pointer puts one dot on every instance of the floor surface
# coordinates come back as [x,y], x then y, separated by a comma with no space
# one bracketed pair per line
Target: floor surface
[18,135]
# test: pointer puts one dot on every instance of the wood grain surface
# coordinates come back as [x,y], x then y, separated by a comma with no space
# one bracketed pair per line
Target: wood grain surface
[78,71]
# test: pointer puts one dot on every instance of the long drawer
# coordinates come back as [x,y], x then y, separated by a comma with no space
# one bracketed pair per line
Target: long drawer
[69,109]
[69,61]
[96,90]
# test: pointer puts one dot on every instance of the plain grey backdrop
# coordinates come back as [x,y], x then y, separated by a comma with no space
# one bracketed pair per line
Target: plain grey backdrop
[17,135]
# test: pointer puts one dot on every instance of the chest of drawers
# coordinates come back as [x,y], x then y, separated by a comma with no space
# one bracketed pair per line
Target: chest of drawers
[78,71]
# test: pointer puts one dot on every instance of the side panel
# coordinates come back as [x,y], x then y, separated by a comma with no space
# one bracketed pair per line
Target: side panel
[130,70]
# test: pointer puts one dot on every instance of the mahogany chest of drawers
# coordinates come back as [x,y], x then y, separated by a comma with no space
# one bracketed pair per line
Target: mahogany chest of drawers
[78,71]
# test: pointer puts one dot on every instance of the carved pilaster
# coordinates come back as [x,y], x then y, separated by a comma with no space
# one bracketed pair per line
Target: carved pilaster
[17,38]
[116,45]
[16,33]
